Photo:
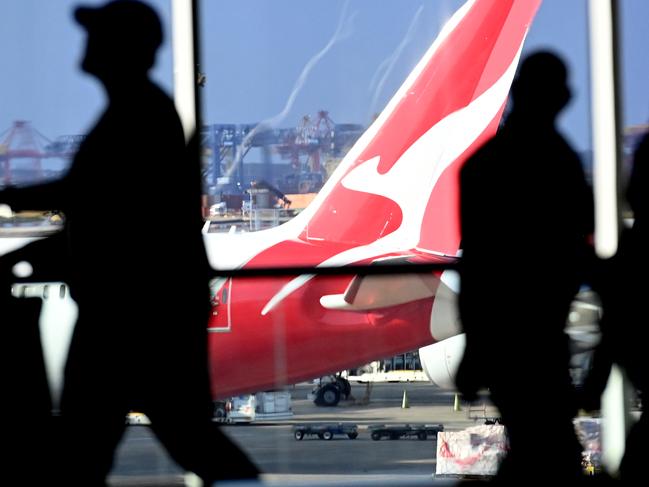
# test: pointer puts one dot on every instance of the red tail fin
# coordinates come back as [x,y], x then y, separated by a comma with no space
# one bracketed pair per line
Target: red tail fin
[398,184]
[397,188]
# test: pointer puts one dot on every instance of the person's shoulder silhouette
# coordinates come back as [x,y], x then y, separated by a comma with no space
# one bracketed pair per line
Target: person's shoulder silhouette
[527,175]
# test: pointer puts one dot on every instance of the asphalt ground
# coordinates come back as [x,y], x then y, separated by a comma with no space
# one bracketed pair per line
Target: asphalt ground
[141,460]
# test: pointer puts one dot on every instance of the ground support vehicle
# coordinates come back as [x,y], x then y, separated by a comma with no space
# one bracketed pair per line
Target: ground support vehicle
[394,432]
[325,431]
[248,408]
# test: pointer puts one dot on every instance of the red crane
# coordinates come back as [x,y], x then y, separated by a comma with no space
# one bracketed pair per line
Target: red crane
[312,136]
[22,142]
[323,128]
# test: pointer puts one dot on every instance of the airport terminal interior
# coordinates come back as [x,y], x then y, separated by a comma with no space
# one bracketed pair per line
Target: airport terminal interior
[329,138]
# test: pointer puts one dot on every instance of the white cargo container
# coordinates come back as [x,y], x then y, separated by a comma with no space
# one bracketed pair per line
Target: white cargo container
[262,406]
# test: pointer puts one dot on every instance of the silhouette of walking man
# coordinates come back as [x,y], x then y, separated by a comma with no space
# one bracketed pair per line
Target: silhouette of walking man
[627,324]
[140,342]
[526,213]
[623,325]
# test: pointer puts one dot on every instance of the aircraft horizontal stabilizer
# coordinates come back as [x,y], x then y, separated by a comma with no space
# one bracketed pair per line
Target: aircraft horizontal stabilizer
[373,292]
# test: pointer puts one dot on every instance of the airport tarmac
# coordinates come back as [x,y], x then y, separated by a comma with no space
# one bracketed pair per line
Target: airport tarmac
[340,461]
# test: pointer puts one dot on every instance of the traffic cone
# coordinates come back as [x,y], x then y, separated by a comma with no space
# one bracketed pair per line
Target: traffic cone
[404,401]
[456,405]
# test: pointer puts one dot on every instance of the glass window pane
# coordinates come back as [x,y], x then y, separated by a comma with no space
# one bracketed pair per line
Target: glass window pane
[280,78]
[46,102]
[289,88]
[286,97]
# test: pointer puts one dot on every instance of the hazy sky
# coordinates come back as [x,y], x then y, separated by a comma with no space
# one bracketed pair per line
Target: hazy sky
[254,51]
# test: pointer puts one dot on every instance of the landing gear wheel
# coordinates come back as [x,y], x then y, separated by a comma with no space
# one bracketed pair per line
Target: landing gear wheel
[328,395]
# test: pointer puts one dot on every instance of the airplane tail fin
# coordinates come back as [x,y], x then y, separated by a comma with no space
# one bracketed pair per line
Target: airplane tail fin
[397,189]
[398,185]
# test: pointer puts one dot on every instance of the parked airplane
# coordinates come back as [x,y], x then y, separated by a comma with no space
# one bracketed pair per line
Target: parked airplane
[393,198]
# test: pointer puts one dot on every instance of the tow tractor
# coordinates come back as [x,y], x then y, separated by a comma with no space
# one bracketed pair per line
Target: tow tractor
[395,432]
[326,431]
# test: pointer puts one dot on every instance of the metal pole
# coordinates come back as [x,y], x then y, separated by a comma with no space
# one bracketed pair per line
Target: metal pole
[182,27]
[604,49]
[605,124]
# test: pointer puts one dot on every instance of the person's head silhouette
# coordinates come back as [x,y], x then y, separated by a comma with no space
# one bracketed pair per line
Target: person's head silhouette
[123,37]
[540,90]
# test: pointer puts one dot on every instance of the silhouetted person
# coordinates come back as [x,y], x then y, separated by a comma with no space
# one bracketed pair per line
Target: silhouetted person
[136,265]
[629,321]
[526,213]
[621,283]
